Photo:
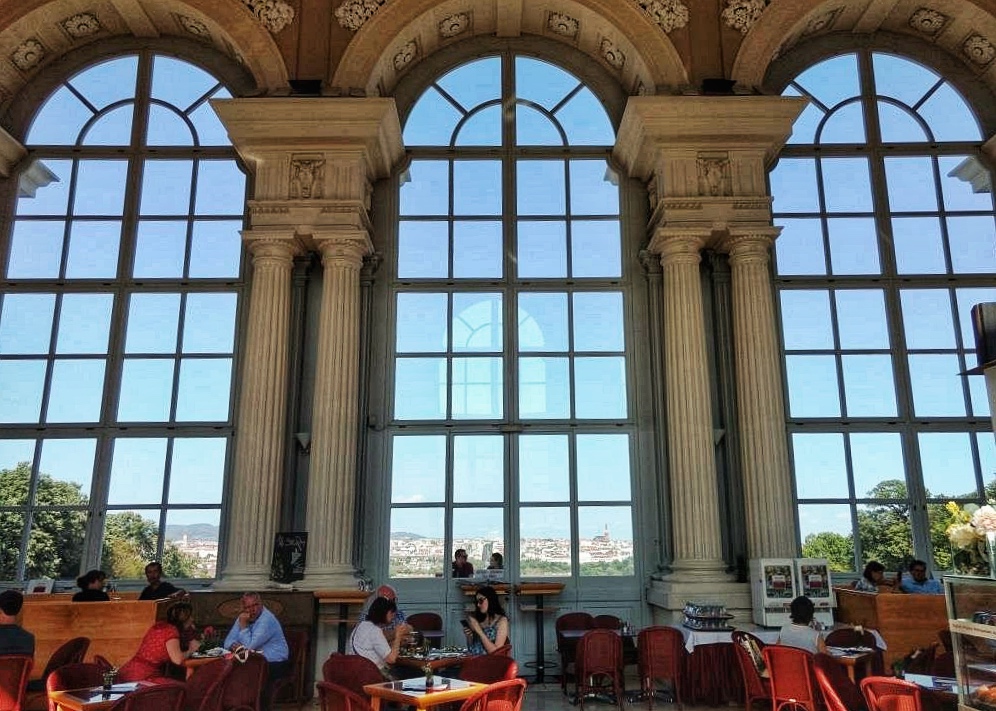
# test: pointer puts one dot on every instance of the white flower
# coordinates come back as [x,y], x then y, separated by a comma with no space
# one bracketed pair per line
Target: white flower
[962,535]
[985,519]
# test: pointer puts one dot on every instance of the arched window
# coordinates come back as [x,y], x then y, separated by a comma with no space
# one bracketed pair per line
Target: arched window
[121,282]
[886,245]
[512,426]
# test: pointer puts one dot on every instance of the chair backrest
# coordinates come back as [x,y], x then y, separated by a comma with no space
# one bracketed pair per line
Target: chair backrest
[71,652]
[103,662]
[606,622]
[890,694]
[425,621]
[661,653]
[489,668]
[206,686]
[839,692]
[574,621]
[790,670]
[749,652]
[351,671]
[14,671]
[334,697]
[599,652]
[849,637]
[73,676]
[244,688]
[291,687]
[165,696]
[501,696]
[503,651]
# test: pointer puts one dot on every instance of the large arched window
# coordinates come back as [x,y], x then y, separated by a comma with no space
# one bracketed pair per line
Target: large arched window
[512,426]
[120,282]
[886,246]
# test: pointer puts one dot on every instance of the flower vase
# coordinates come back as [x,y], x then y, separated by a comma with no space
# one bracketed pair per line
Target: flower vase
[974,559]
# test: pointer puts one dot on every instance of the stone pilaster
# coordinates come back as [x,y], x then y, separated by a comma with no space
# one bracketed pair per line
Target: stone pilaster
[254,508]
[332,485]
[761,404]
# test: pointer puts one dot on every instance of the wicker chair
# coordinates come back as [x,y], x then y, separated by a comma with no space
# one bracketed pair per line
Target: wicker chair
[606,622]
[662,656]
[568,647]
[891,694]
[351,671]
[14,670]
[338,698]
[839,692]
[243,690]
[792,678]
[71,652]
[163,696]
[206,686]
[489,669]
[502,696]
[598,666]
[749,649]
[73,676]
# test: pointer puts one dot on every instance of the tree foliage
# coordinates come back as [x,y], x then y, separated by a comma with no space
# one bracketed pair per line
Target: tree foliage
[836,548]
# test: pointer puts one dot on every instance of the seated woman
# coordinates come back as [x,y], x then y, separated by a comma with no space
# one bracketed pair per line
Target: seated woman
[799,633]
[369,640]
[91,587]
[497,562]
[160,645]
[487,626]
[873,579]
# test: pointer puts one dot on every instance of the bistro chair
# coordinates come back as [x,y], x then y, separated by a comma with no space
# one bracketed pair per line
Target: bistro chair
[489,668]
[243,691]
[291,686]
[14,670]
[162,696]
[206,686]
[71,652]
[425,622]
[73,676]
[662,656]
[749,651]
[501,696]
[891,694]
[338,698]
[568,647]
[791,673]
[606,622]
[103,662]
[598,666]
[839,692]
[351,671]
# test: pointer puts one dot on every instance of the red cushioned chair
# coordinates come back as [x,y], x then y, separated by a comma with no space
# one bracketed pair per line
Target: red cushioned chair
[606,622]
[489,669]
[502,696]
[71,652]
[661,658]
[890,694]
[206,686]
[243,690]
[792,680]
[14,670]
[351,671]
[73,676]
[749,650]
[568,647]
[598,666]
[338,698]
[839,692]
[163,696]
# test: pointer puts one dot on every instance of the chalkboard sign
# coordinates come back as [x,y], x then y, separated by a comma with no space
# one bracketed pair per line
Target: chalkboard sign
[288,557]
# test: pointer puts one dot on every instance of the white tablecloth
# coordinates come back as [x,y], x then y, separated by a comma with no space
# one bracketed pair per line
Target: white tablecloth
[768,635]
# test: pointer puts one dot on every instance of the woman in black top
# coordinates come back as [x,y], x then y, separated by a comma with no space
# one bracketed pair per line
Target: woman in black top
[91,587]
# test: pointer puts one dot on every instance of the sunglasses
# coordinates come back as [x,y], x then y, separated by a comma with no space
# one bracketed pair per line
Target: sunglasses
[481,599]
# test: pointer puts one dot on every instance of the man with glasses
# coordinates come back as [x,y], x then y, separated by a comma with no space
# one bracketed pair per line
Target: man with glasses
[918,583]
[462,568]
[259,630]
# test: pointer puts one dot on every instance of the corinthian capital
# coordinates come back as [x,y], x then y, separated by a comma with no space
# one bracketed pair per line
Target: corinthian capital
[750,245]
[343,249]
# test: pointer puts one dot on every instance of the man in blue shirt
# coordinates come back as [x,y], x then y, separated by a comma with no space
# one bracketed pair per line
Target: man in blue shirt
[258,629]
[918,583]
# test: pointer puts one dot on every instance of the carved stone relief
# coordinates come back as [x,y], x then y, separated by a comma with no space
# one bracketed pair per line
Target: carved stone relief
[454,25]
[668,14]
[742,14]
[307,176]
[274,15]
[823,22]
[562,24]
[406,55]
[81,25]
[28,54]
[928,22]
[978,50]
[193,26]
[353,14]
[612,55]
[714,174]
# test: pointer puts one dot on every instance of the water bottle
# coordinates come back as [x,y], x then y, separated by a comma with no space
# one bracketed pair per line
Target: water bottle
[429,677]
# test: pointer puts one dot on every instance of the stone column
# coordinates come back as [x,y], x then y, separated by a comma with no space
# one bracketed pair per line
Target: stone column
[332,484]
[254,504]
[697,551]
[761,406]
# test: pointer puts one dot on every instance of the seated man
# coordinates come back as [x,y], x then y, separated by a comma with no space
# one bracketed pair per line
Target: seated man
[258,629]
[157,589]
[13,638]
[462,568]
[390,594]
[918,583]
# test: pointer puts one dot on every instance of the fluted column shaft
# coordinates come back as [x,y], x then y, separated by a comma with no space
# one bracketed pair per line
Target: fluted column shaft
[691,452]
[332,478]
[760,398]
[254,511]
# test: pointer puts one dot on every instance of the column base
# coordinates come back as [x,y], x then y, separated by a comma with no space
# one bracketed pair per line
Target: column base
[333,577]
[667,598]
[692,570]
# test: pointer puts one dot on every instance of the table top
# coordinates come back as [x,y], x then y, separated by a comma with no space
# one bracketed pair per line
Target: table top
[436,660]
[93,698]
[395,691]
[578,634]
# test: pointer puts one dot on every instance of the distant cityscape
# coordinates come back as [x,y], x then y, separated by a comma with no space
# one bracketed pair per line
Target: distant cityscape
[199,541]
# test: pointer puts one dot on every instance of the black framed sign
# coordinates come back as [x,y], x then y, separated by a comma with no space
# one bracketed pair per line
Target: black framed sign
[289,550]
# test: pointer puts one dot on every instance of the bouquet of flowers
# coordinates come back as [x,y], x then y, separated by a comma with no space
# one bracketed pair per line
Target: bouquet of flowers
[972,533]
[209,638]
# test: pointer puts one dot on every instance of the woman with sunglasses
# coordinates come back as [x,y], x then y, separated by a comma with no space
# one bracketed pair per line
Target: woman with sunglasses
[487,625]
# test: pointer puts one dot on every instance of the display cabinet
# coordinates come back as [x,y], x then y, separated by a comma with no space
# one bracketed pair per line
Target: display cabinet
[971,603]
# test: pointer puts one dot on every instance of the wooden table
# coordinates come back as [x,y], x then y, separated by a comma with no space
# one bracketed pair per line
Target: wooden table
[394,691]
[852,660]
[92,699]
[190,664]
[435,661]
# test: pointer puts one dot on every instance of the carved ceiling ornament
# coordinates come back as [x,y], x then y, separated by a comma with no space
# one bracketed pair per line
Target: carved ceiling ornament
[454,25]
[823,22]
[307,176]
[928,22]
[612,55]
[668,14]
[28,54]
[978,50]
[274,15]
[714,174]
[194,26]
[562,24]
[742,14]
[81,25]
[406,55]
[352,14]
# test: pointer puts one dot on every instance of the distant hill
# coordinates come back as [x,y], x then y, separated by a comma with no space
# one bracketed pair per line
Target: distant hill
[405,536]
[198,531]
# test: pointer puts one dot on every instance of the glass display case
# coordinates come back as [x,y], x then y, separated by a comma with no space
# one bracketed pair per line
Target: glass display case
[971,605]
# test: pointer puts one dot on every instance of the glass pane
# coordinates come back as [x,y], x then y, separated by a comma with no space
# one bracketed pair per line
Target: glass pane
[853,245]
[146,390]
[804,128]
[67,465]
[55,543]
[59,120]
[927,318]
[35,250]
[478,468]
[544,466]
[812,386]
[585,122]
[209,323]
[16,459]
[845,125]
[869,386]
[876,458]
[191,549]
[167,128]
[596,249]
[937,387]
[533,128]
[21,383]
[203,393]
[806,319]
[418,469]
[833,80]
[793,185]
[221,188]
[198,470]
[605,540]
[972,241]
[11,529]
[112,129]
[542,188]
[949,116]
[603,467]
[431,121]
[423,250]
[160,249]
[545,541]
[473,83]
[919,249]
[827,532]
[427,190]
[542,322]
[482,128]
[861,318]
[901,78]
[137,471]
[416,544]
[479,531]
[152,323]
[421,323]
[50,199]
[477,323]
[594,188]
[93,250]
[598,321]
[886,532]
[544,388]
[179,83]
[477,187]
[100,187]
[477,249]
[216,249]
[967,298]
[899,125]
[76,391]
[979,394]
[799,248]
[959,193]
[26,323]
[542,82]
[911,184]
[131,539]
[600,388]
[210,131]
[541,249]
[477,388]
[948,467]
[820,469]
[847,184]
[420,389]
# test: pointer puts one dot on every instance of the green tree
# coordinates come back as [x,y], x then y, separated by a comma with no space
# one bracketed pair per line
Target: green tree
[836,548]
[884,529]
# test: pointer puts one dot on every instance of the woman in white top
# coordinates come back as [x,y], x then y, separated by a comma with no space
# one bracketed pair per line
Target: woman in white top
[799,633]
[368,638]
